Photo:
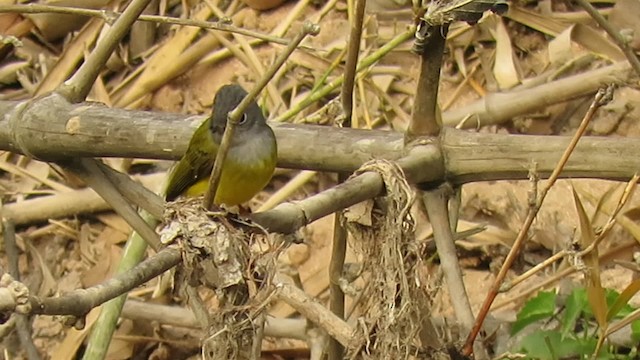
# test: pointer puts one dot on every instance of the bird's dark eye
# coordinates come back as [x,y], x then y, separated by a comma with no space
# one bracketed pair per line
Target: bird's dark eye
[243,119]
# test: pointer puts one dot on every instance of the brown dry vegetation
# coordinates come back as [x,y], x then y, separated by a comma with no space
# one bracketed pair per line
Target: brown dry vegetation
[168,68]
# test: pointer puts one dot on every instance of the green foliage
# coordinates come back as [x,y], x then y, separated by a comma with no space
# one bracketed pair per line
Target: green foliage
[548,344]
[540,307]
[574,335]
[576,305]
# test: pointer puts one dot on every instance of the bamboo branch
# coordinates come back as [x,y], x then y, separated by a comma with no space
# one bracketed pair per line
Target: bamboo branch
[352,60]
[425,118]
[66,204]
[52,129]
[92,174]
[335,350]
[436,203]
[77,88]
[496,108]
[288,217]
[315,312]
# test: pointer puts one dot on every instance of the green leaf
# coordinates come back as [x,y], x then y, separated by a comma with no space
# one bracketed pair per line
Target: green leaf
[635,330]
[548,345]
[540,307]
[576,304]
[623,299]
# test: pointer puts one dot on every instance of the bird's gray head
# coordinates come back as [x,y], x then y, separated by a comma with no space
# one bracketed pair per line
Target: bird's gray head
[227,99]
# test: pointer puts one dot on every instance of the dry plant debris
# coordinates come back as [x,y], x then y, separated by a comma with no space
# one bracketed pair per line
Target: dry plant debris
[237,265]
[391,310]
[68,238]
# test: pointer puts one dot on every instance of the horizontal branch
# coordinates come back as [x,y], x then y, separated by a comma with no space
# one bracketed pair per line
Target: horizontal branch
[80,301]
[65,204]
[183,317]
[423,164]
[480,157]
[496,108]
[49,128]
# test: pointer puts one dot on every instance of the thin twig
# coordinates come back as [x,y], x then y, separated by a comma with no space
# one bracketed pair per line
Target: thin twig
[23,325]
[534,270]
[79,302]
[626,195]
[134,192]
[249,57]
[352,60]
[256,346]
[77,88]
[614,33]
[336,265]
[109,17]
[91,173]
[531,215]
[235,115]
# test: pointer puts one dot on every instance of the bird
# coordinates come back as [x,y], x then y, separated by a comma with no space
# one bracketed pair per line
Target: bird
[249,164]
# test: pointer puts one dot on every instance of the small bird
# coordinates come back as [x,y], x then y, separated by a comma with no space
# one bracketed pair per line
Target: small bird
[250,161]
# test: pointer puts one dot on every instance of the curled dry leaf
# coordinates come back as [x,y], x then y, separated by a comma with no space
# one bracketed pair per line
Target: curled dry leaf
[54,26]
[263,4]
[563,47]
[504,68]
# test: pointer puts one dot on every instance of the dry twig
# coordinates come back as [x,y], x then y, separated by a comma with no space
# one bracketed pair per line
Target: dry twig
[598,101]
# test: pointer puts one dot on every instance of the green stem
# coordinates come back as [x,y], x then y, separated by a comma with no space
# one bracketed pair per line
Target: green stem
[365,63]
[105,326]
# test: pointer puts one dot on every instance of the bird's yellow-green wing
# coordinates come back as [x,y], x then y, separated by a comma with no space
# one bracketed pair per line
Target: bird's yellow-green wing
[195,164]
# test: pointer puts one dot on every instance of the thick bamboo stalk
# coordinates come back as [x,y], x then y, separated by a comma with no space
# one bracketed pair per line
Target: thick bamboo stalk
[52,129]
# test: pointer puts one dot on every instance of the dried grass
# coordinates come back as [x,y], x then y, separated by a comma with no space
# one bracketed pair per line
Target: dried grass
[390,314]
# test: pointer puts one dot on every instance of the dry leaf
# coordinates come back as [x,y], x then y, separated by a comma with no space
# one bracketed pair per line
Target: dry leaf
[263,4]
[543,24]
[595,291]
[105,264]
[122,349]
[73,53]
[74,338]
[54,26]
[360,213]
[563,48]
[504,68]
[161,63]
[624,16]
